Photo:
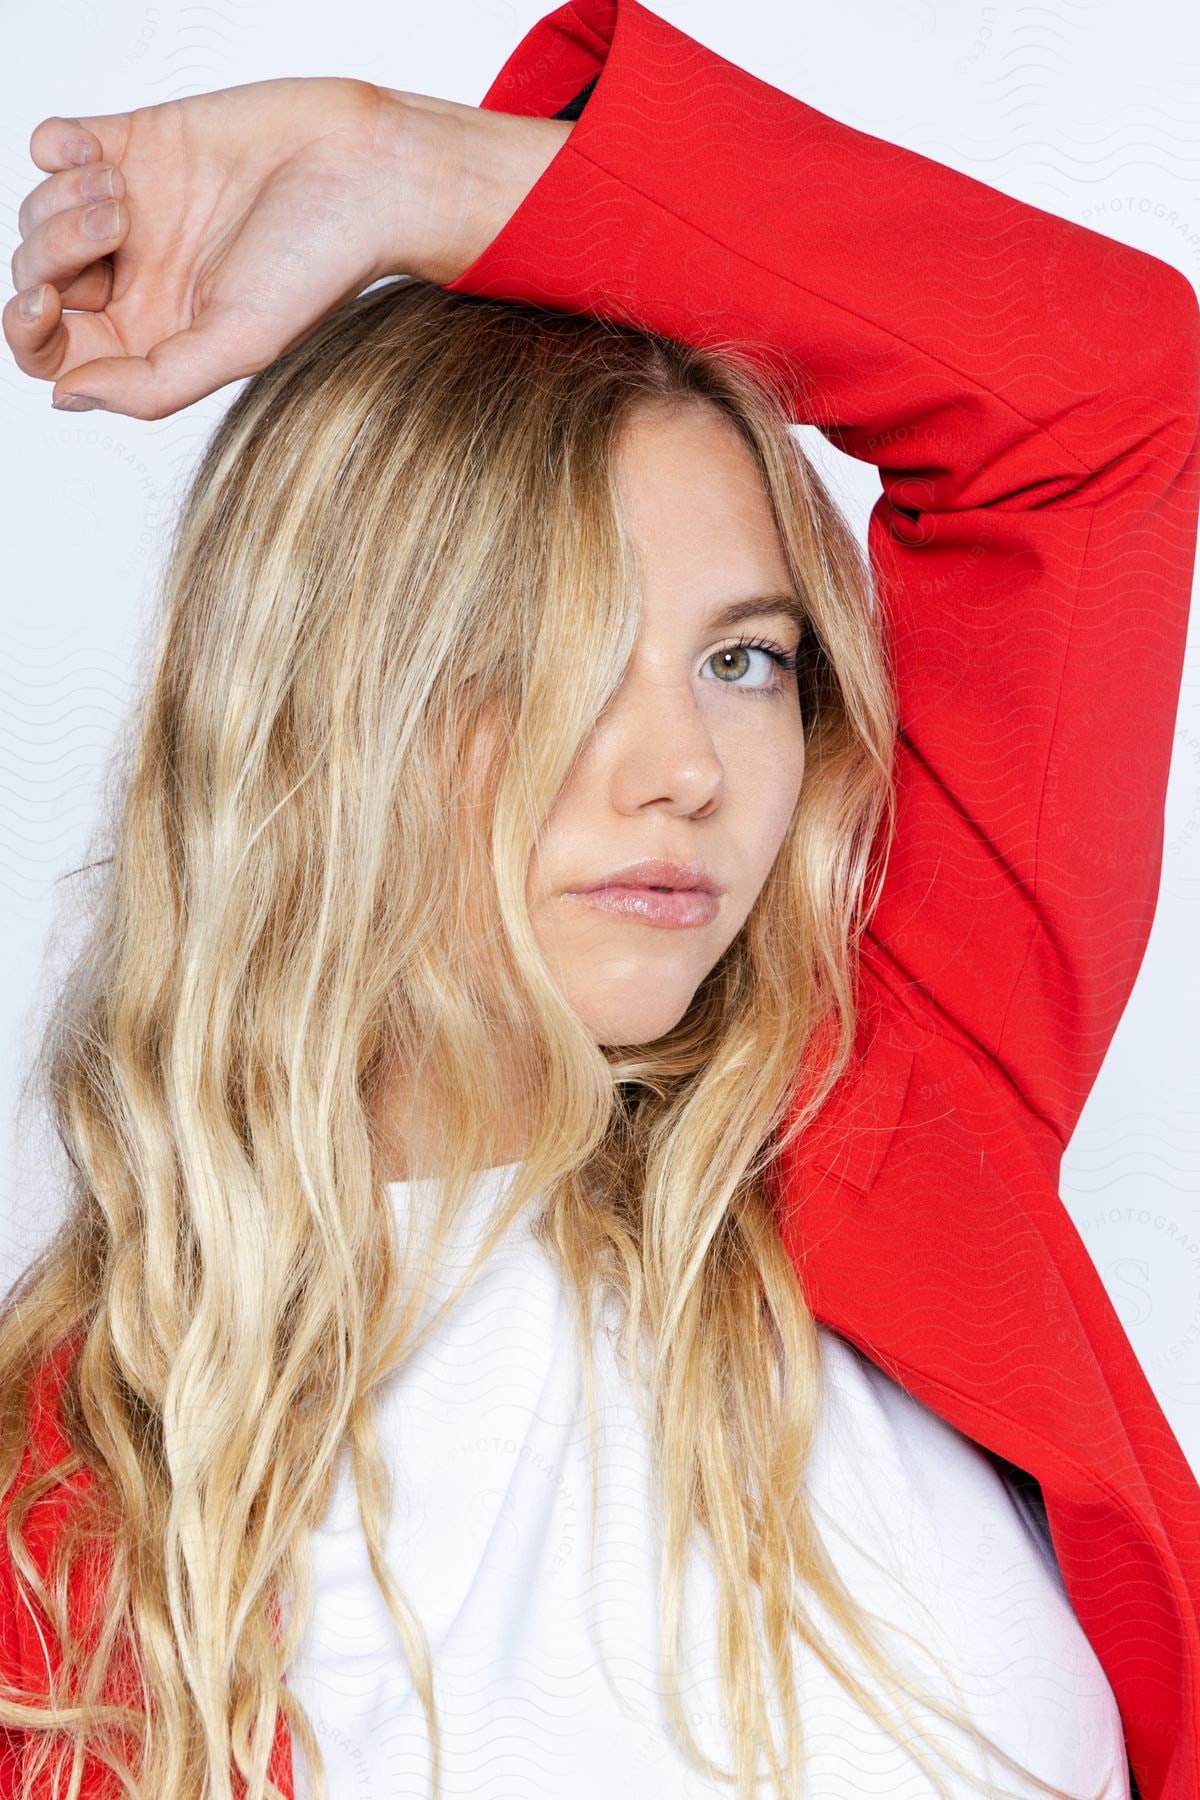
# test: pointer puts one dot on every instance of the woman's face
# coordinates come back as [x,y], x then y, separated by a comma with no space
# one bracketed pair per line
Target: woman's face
[699,756]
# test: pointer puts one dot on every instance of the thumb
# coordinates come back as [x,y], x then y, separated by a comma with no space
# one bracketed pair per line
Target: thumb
[175,373]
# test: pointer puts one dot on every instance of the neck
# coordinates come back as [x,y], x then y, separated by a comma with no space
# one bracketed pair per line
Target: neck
[411,1131]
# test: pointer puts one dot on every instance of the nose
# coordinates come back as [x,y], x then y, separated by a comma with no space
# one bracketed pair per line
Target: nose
[660,747]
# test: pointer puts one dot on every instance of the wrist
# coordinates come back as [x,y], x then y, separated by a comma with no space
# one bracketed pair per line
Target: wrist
[461,171]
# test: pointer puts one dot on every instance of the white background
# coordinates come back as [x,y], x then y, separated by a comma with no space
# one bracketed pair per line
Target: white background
[1089,108]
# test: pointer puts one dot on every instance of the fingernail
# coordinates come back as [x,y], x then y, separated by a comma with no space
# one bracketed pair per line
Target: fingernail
[31,303]
[97,184]
[78,403]
[101,221]
[78,150]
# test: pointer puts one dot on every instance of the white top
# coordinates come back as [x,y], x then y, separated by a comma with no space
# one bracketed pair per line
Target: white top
[489,1536]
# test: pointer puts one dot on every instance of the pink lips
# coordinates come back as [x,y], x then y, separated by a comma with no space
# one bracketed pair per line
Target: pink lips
[656,892]
[656,872]
[674,908]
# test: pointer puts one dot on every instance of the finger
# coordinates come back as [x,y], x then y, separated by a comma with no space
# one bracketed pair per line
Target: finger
[177,372]
[62,246]
[32,323]
[89,292]
[60,141]
[91,289]
[50,345]
[69,188]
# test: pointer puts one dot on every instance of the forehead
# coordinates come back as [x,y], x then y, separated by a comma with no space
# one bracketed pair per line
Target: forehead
[694,502]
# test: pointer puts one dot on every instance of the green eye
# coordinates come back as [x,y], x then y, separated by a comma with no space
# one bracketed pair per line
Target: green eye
[784,661]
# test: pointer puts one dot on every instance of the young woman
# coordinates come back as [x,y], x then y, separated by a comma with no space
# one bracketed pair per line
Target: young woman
[509,1342]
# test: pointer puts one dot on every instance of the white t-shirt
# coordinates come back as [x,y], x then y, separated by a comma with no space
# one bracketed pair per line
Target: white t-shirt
[540,1695]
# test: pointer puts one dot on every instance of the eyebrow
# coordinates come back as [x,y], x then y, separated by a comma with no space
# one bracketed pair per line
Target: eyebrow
[782,603]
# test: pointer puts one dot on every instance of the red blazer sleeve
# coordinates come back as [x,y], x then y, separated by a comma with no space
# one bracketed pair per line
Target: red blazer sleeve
[1029,391]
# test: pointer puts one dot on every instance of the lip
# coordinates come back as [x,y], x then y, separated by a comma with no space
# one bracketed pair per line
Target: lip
[655,872]
[691,897]
[674,910]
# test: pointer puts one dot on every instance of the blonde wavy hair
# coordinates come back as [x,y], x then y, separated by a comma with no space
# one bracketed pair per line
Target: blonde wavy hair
[404,540]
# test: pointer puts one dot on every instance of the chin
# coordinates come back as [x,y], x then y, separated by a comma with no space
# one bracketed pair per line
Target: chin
[611,1025]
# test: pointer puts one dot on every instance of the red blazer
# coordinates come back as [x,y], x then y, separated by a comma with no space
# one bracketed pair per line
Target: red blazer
[1030,393]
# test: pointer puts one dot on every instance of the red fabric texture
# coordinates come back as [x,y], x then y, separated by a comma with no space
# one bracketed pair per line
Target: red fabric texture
[1029,391]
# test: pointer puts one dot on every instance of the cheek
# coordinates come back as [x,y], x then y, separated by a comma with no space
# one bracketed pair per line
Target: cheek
[763,786]
[569,824]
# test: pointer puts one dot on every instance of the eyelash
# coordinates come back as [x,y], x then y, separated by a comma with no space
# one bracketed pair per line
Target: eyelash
[782,659]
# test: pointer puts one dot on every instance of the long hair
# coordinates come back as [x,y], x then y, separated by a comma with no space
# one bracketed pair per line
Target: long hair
[404,540]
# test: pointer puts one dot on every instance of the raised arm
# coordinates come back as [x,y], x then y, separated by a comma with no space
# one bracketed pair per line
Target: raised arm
[1028,390]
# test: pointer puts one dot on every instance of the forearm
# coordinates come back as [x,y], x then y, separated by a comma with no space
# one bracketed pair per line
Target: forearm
[462,172]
